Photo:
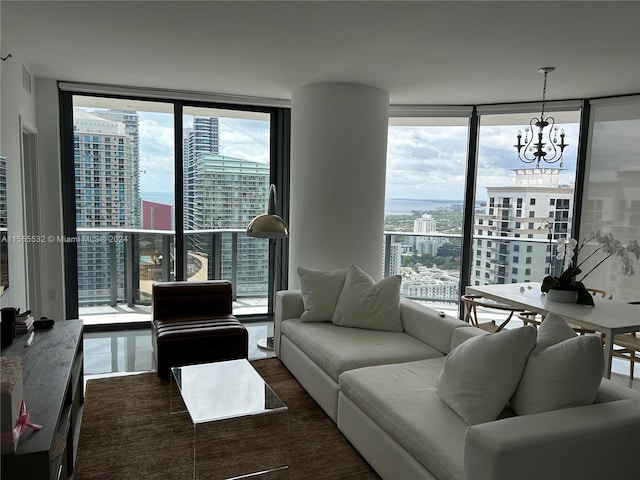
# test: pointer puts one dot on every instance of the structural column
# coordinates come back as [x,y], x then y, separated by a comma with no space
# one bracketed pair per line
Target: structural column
[338,168]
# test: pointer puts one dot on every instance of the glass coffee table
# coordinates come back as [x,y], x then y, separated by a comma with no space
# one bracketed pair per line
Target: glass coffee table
[240,426]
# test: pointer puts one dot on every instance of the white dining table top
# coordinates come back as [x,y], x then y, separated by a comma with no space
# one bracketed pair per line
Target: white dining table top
[608,316]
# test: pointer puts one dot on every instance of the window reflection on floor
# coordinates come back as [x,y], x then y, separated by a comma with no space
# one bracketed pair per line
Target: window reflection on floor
[128,351]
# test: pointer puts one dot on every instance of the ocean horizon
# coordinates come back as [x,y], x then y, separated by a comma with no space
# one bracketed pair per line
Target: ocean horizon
[406,206]
[393,206]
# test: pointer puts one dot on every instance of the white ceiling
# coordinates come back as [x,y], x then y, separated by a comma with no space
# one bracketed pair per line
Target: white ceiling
[421,52]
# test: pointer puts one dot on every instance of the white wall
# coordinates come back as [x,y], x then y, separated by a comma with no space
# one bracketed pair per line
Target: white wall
[36,278]
[338,167]
[49,201]
[17,107]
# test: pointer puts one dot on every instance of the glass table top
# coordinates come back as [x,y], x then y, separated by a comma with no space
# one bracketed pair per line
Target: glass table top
[222,390]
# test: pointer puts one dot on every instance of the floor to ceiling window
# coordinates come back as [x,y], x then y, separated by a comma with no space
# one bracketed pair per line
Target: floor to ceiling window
[612,192]
[425,194]
[123,169]
[226,182]
[132,227]
[516,205]
[520,204]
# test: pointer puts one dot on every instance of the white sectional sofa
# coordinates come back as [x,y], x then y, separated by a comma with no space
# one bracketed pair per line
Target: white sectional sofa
[381,389]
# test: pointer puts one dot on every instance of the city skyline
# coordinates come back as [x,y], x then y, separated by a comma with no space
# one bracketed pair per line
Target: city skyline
[423,163]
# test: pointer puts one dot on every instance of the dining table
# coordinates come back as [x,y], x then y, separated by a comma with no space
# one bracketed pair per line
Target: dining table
[607,316]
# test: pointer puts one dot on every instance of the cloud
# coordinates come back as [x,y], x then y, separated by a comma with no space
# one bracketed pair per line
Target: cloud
[430,162]
[426,162]
[245,139]
[156,145]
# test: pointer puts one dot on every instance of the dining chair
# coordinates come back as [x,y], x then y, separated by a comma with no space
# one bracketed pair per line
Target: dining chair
[599,292]
[626,345]
[473,302]
[531,318]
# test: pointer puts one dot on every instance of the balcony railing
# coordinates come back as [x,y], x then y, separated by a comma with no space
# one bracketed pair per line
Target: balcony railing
[117,267]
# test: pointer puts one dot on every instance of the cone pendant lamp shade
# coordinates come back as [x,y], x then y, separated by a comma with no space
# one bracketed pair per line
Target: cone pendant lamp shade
[269,225]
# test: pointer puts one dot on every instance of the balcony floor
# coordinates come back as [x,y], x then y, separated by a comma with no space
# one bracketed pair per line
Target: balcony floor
[122,314]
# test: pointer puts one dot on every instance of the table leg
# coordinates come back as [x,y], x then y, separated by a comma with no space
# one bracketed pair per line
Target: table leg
[608,353]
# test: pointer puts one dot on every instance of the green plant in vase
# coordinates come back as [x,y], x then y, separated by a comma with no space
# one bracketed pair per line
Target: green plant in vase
[568,280]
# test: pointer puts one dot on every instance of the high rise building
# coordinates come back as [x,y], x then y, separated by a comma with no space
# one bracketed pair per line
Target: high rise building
[131,122]
[426,244]
[227,194]
[425,224]
[535,205]
[395,257]
[222,193]
[106,179]
[202,138]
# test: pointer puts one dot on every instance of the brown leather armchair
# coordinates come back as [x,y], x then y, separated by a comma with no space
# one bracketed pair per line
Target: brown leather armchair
[192,322]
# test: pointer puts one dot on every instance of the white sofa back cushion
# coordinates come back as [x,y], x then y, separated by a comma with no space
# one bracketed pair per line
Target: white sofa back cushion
[366,304]
[320,291]
[561,372]
[481,374]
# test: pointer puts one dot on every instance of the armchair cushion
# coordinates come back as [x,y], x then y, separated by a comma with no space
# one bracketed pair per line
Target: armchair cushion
[181,300]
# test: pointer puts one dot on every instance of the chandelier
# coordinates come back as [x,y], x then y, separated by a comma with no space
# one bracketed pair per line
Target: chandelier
[545,148]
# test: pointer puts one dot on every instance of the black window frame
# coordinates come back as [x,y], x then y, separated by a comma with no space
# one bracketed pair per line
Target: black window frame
[280,133]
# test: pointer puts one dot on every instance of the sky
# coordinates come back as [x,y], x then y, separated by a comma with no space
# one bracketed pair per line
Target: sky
[423,162]
[239,138]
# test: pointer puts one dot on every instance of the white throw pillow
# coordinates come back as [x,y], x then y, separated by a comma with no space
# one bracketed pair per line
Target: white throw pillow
[320,291]
[553,330]
[481,374]
[564,370]
[366,304]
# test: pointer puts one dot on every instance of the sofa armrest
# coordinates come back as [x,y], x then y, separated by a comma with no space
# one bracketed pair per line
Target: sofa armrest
[428,325]
[611,391]
[593,441]
[462,334]
[289,304]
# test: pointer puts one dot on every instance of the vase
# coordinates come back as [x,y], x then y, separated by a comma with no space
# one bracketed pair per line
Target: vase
[562,296]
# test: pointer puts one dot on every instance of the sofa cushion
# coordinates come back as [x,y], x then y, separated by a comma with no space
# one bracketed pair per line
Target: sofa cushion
[402,399]
[481,374]
[366,304]
[564,370]
[338,349]
[553,330]
[320,291]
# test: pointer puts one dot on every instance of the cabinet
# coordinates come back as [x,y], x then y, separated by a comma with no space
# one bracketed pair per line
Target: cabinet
[54,395]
